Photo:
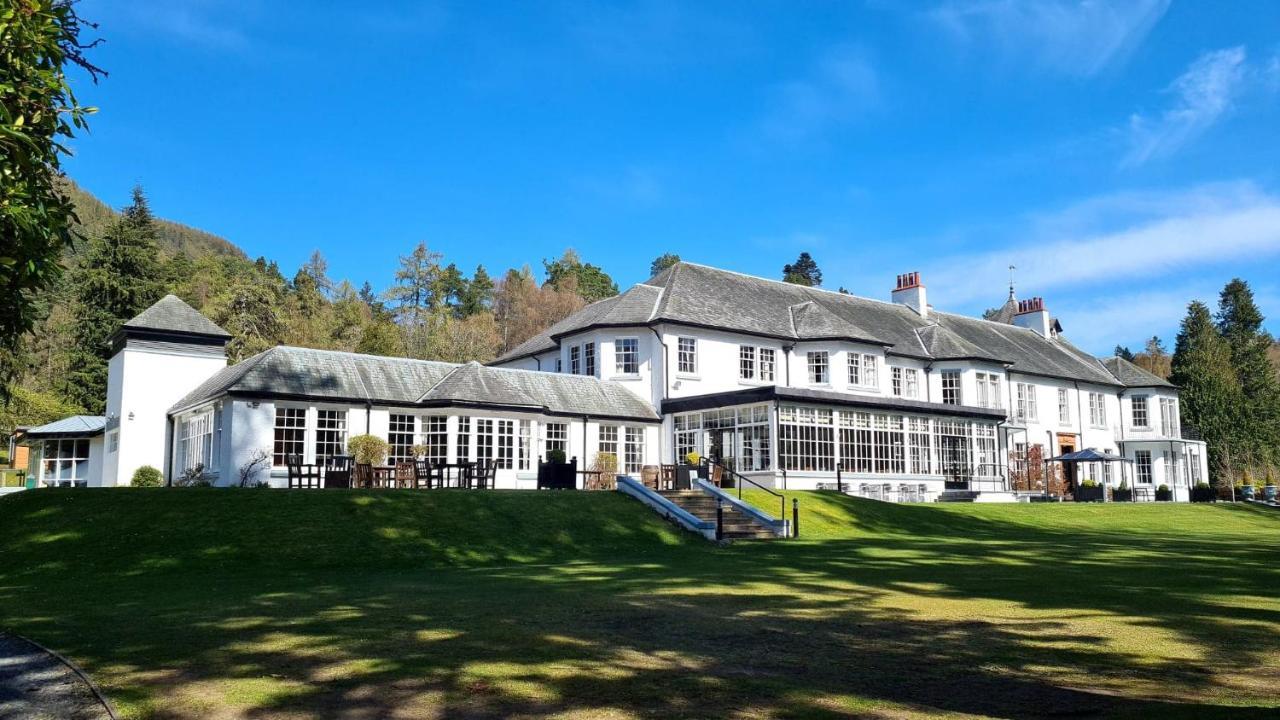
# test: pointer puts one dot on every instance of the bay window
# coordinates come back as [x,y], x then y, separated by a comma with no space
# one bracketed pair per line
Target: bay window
[65,463]
[863,370]
[950,387]
[1138,409]
[195,442]
[626,354]
[819,367]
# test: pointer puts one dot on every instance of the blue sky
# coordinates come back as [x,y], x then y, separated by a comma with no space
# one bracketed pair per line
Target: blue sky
[1123,156]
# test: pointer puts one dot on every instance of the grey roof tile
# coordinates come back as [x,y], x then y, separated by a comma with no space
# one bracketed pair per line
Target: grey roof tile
[171,314]
[332,375]
[710,297]
[1131,375]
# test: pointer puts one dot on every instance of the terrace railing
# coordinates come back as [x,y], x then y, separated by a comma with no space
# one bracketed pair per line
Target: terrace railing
[739,479]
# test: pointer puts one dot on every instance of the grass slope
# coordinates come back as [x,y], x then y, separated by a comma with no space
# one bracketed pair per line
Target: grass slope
[271,604]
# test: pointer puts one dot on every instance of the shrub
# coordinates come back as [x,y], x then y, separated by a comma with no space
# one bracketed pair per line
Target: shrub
[194,477]
[368,449]
[556,456]
[1199,486]
[1246,478]
[693,458]
[419,451]
[1271,476]
[1165,488]
[1089,484]
[147,476]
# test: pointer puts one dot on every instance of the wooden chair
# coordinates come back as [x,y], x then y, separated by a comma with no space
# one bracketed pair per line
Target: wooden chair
[302,475]
[363,475]
[337,471]
[667,477]
[405,475]
[421,474]
[484,476]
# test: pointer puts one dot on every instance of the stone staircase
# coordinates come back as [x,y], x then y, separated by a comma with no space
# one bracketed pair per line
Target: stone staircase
[737,525]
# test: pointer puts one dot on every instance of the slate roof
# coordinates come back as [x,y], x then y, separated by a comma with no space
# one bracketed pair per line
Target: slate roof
[171,314]
[703,296]
[73,426]
[321,375]
[1133,376]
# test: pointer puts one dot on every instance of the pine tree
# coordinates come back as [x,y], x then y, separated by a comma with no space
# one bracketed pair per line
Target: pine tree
[662,262]
[118,278]
[412,297]
[803,272]
[1210,396]
[478,297]
[569,273]
[1124,353]
[1240,324]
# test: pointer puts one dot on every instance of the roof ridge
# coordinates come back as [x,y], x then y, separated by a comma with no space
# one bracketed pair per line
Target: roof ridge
[814,288]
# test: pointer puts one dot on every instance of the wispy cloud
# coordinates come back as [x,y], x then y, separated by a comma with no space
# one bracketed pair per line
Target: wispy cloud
[1074,37]
[1203,94]
[1105,241]
[842,85]
[648,33]
[212,24]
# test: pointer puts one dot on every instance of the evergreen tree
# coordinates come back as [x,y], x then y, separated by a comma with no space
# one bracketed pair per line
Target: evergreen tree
[450,287]
[1210,396]
[662,262]
[1124,353]
[569,273]
[118,278]
[1153,358]
[1240,324]
[317,268]
[803,272]
[478,297]
[413,295]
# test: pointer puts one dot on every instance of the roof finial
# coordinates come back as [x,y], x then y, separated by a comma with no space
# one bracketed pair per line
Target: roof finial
[1011,269]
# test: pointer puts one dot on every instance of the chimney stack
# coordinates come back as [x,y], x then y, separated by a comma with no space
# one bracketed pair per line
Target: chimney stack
[1033,316]
[910,292]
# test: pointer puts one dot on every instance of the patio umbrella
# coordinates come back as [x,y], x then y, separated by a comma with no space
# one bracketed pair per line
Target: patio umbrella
[1089,455]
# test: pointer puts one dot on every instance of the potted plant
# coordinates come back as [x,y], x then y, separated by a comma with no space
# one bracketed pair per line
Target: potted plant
[368,449]
[1124,493]
[1163,494]
[1203,492]
[1269,491]
[419,451]
[1088,491]
[1245,489]
[692,467]
[556,473]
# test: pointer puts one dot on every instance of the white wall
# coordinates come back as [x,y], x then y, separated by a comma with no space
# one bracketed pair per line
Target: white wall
[142,385]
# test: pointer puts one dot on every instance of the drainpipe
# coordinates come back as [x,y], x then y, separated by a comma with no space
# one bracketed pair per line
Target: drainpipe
[786,358]
[928,391]
[368,416]
[537,362]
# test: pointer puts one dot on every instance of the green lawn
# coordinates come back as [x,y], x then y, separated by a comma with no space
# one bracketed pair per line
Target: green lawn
[265,604]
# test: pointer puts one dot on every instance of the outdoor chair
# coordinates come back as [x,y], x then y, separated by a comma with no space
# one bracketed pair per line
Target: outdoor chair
[486,474]
[906,493]
[363,475]
[337,471]
[667,477]
[404,475]
[302,475]
[923,492]
[421,474]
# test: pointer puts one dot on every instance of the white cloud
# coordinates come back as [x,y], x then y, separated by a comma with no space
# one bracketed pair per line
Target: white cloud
[841,86]
[209,23]
[1074,37]
[1104,243]
[1204,93]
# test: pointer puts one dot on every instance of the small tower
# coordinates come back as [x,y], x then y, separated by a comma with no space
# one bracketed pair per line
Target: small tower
[157,358]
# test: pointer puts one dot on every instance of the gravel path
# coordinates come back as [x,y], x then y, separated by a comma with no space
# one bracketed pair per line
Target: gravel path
[35,685]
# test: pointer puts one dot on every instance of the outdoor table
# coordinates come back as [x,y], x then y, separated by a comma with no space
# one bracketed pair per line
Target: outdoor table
[457,473]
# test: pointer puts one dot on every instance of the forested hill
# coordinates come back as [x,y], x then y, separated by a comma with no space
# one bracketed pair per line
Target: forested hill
[172,237]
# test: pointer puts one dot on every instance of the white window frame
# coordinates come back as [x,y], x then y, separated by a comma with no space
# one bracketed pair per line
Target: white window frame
[332,427]
[289,434]
[589,358]
[575,359]
[954,378]
[818,363]
[864,371]
[1097,410]
[1025,409]
[195,442]
[1142,467]
[1169,417]
[626,362]
[1064,407]
[1142,402]
[687,356]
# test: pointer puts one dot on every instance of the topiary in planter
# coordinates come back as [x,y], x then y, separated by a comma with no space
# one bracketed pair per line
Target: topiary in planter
[147,476]
[556,456]
[368,449]
[1163,494]
[1203,492]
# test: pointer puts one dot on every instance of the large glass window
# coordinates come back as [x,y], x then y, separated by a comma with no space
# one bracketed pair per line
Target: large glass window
[495,441]
[557,437]
[525,446]
[633,450]
[195,442]
[919,443]
[506,444]
[950,387]
[688,429]
[462,443]
[626,352]
[331,434]
[401,431]
[1026,403]
[1169,417]
[806,439]
[1097,410]
[1142,465]
[819,367]
[1141,418]
[435,436]
[65,463]
[687,356]
[290,435]
[607,441]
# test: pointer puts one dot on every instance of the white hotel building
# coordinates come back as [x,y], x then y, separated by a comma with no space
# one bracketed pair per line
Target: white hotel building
[792,386]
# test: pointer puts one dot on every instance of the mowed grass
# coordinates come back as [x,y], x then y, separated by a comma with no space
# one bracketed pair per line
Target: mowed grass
[274,604]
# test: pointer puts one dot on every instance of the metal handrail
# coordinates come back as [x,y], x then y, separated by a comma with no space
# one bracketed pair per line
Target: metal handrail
[739,477]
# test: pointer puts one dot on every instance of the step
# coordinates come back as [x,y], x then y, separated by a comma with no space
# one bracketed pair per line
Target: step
[734,524]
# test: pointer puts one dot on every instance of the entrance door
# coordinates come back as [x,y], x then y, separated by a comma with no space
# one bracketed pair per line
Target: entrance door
[721,447]
[1068,468]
